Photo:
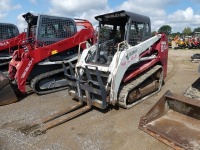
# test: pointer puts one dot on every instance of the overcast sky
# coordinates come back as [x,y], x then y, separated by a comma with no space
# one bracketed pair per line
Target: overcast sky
[176,13]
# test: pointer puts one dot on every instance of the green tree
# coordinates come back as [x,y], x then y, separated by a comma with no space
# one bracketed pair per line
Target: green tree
[153,33]
[165,29]
[197,29]
[187,31]
[173,35]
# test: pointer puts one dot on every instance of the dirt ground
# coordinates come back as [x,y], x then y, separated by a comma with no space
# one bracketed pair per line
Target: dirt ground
[114,128]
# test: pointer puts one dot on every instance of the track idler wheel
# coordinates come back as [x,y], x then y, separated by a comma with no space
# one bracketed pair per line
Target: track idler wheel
[7,94]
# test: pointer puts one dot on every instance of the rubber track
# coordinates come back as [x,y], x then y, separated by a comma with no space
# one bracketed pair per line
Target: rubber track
[44,75]
[133,84]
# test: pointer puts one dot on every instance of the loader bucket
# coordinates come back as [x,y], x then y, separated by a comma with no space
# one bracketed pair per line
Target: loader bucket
[7,95]
[174,120]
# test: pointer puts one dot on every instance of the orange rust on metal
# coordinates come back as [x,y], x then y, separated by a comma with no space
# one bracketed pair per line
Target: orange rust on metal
[174,120]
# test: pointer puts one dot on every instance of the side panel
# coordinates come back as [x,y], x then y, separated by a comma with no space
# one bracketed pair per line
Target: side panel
[124,61]
[162,48]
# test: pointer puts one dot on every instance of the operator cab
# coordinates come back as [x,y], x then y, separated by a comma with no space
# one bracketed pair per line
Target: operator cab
[8,31]
[115,28]
[49,29]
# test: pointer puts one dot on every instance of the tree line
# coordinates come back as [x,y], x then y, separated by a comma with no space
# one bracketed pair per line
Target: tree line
[168,29]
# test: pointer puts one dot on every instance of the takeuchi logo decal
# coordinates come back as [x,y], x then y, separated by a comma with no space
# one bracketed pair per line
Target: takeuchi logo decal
[27,68]
[128,61]
[129,57]
[163,46]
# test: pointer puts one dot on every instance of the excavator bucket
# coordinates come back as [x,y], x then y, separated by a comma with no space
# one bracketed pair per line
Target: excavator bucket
[7,95]
[174,120]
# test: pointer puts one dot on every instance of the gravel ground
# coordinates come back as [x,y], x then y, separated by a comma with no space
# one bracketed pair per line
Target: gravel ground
[194,90]
[114,128]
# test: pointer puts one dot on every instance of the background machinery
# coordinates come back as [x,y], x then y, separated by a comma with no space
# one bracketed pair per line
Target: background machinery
[51,41]
[196,45]
[9,39]
[125,67]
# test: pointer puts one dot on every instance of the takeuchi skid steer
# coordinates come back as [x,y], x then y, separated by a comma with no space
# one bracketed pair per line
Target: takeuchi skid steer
[125,67]
[9,39]
[51,41]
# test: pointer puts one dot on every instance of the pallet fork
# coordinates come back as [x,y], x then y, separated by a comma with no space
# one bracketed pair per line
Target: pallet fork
[40,127]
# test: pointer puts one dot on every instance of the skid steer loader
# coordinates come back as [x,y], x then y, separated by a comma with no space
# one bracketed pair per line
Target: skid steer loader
[125,67]
[51,41]
[9,39]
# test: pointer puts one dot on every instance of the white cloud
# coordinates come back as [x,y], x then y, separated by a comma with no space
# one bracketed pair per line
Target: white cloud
[155,9]
[87,9]
[182,15]
[15,7]
[6,6]
[73,7]
[84,9]
[2,15]
[21,23]
[144,5]
[183,18]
